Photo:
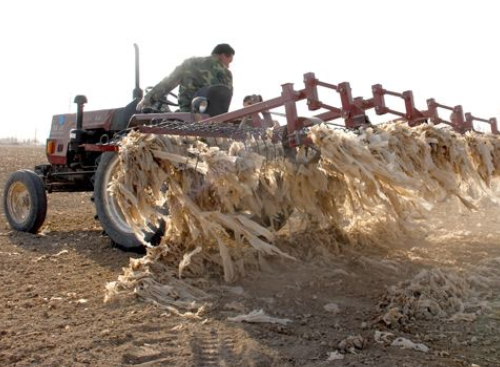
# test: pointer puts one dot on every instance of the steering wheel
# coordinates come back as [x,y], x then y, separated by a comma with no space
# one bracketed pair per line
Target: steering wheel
[161,105]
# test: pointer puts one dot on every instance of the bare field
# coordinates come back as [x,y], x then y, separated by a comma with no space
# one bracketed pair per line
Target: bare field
[52,289]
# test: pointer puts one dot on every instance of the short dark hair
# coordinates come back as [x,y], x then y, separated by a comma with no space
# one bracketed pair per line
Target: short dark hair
[223,48]
[253,98]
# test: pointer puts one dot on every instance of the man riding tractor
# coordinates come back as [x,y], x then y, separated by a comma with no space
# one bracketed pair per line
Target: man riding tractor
[208,77]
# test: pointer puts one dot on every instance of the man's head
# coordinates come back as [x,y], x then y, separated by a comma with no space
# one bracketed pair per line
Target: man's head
[224,53]
[251,99]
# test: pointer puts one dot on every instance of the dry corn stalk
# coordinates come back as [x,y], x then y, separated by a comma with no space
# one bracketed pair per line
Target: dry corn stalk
[223,200]
[430,294]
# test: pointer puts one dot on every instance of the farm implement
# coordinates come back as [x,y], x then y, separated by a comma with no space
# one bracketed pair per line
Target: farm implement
[82,149]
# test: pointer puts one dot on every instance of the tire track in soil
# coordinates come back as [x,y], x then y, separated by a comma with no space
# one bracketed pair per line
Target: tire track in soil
[212,346]
[150,351]
[198,345]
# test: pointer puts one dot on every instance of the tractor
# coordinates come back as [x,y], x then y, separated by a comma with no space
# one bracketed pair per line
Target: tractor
[82,148]
[82,155]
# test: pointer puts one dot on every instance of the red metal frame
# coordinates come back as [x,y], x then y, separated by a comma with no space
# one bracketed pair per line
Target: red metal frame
[469,119]
[411,114]
[352,110]
[99,147]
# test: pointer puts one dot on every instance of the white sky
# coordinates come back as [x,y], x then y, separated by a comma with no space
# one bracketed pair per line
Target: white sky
[53,50]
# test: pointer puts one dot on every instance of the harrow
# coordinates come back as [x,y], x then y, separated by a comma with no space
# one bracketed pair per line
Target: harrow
[81,148]
[352,110]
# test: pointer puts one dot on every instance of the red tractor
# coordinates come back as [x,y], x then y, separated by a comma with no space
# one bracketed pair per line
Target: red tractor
[82,147]
[82,155]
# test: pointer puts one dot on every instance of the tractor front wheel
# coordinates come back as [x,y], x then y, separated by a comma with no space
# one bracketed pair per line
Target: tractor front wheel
[25,201]
[108,211]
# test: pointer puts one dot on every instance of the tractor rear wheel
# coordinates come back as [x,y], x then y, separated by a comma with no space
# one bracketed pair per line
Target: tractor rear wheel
[108,211]
[25,201]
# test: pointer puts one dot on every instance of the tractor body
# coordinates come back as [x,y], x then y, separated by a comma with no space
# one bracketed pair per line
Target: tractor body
[73,152]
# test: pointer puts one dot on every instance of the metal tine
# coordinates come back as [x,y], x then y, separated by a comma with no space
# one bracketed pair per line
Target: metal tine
[265,144]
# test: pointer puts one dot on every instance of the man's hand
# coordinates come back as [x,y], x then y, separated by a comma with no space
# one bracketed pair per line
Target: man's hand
[145,102]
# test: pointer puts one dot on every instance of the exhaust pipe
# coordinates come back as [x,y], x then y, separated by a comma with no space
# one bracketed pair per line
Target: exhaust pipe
[80,100]
[76,135]
[138,93]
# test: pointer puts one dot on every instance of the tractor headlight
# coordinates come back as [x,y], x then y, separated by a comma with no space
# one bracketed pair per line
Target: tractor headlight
[199,105]
[72,134]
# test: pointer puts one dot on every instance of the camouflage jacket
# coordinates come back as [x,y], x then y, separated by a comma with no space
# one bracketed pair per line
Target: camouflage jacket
[191,75]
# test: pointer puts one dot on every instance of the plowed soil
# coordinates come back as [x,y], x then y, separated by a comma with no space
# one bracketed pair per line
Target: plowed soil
[52,310]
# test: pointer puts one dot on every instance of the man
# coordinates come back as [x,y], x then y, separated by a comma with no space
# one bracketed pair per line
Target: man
[192,75]
[255,120]
[251,99]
